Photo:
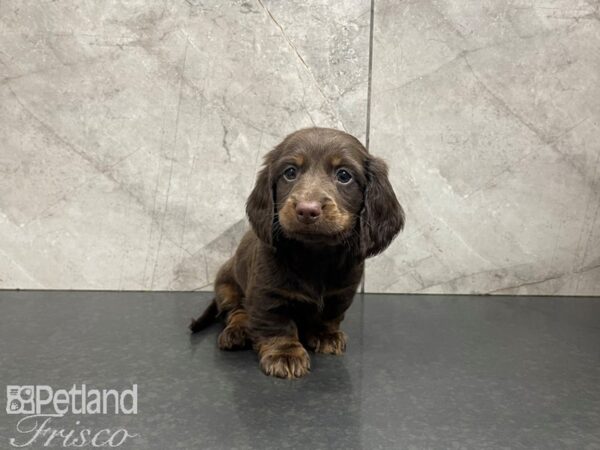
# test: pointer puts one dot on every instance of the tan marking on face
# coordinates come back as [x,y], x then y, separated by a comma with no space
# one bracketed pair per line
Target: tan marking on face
[298,160]
[333,215]
[333,219]
[336,161]
[287,214]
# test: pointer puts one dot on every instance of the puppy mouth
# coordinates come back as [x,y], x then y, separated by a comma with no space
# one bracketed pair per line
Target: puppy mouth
[315,233]
[317,239]
[306,235]
[329,226]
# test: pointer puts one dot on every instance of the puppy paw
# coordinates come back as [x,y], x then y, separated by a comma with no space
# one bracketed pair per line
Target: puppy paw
[331,343]
[291,362]
[233,338]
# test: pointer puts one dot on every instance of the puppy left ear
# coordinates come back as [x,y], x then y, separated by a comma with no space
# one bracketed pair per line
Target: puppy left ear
[260,207]
[382,217]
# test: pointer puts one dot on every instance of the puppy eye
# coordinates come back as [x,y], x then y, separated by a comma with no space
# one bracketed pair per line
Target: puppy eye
[343,176]
[290,173]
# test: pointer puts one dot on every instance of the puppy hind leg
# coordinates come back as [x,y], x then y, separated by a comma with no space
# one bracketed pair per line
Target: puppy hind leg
[229,296]
[228,293]
[235,334]
[229,301]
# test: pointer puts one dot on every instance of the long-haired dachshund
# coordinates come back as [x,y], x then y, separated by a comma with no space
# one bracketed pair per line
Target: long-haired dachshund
[321,206]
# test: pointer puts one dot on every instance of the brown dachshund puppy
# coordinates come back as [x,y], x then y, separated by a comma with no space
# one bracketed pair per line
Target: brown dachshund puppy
[320,206]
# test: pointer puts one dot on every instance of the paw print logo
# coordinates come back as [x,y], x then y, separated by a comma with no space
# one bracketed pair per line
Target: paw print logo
[19,400]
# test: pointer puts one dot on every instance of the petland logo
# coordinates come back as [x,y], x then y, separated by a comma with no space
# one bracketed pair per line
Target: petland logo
[44,408]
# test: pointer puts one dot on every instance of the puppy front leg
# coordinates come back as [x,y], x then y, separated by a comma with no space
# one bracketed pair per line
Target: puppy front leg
[279,350]
[326,337]
[324,334]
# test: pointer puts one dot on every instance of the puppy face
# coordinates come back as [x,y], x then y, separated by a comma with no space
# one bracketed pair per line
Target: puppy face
[321,186]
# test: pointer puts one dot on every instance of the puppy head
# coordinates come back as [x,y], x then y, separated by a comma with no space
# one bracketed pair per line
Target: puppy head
[320,186]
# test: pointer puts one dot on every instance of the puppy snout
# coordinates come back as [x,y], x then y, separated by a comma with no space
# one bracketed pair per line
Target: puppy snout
[308,212]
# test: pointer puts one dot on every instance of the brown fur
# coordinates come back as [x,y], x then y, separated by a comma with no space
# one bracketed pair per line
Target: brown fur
[290,283]
[283,356]
[235,334]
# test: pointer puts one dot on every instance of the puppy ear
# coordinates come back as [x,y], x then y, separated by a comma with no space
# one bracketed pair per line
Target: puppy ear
[259,206]
[382,217]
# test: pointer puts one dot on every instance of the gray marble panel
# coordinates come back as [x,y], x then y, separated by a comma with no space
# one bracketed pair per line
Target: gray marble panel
[131,135]
[489,115]
[131,132]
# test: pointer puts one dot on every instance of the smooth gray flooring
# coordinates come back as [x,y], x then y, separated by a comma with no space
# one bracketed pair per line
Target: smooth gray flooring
[421,372]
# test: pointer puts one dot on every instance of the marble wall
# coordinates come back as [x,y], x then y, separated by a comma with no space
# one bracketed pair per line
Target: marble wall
[488,112]
[131,132]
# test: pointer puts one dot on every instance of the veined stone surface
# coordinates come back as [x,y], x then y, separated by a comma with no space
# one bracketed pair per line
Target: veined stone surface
[131,134]
[488,114]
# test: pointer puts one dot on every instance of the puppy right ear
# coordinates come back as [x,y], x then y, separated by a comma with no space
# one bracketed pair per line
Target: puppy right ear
[260,207]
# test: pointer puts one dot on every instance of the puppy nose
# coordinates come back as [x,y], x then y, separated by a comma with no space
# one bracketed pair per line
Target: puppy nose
[308,212]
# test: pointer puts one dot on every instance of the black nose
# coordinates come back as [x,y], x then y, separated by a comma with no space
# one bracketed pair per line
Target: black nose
[308,212]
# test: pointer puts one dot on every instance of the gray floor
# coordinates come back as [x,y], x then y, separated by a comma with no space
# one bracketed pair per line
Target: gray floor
[420,372]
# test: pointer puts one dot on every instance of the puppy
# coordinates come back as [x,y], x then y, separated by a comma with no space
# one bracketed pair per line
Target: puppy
[321,206]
